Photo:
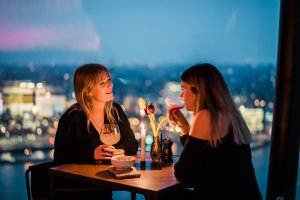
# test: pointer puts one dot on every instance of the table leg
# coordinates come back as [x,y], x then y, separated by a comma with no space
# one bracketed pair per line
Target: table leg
[51,187]
[133,196]
[151,196]
[147,197]
[154,197]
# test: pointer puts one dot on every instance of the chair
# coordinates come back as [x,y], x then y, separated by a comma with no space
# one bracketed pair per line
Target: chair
[37,180]
[37,185]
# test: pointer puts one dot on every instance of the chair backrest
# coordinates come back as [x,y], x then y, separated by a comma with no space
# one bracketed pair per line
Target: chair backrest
[37,184]
[37,180]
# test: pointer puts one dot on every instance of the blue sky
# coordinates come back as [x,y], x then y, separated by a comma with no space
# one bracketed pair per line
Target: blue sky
[139,31]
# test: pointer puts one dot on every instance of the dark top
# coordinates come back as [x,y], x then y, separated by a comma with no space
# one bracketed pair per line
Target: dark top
[222,172]
[74,144]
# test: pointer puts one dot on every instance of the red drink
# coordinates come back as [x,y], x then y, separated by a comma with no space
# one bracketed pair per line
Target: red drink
[174,105]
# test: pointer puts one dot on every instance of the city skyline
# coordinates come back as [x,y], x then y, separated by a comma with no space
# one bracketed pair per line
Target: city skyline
[138,32]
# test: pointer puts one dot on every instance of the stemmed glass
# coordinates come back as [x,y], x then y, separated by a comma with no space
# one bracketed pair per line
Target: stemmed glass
[172,106]
[110,134]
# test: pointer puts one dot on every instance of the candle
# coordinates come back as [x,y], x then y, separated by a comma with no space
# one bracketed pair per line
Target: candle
[143,136]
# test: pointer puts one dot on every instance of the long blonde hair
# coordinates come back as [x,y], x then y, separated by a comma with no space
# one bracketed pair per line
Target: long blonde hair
[85,77]
[212,94]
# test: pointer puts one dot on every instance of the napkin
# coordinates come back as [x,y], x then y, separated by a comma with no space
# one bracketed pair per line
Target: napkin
[126,173]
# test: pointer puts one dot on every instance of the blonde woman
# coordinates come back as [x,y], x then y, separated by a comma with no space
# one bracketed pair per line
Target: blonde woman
[77,137]
[216,158]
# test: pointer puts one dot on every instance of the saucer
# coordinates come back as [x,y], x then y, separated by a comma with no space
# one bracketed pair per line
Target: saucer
[124,173]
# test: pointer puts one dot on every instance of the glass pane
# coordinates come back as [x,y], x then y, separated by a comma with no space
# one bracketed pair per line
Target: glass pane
[146,45]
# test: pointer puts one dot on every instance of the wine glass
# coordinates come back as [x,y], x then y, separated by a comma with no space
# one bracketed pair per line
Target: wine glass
[173,105]
[110,134]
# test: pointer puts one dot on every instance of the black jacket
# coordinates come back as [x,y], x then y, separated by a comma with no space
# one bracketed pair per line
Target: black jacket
[75,144]
[222,172]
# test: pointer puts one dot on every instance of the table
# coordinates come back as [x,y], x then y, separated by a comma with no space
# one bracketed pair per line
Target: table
[153,182]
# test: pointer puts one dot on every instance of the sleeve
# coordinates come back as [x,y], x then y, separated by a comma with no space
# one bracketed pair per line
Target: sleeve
[128,141]
[63,142]
[183,139]
[67,149]
[189,163]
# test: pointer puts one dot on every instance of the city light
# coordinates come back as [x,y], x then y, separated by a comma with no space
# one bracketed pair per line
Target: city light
[33,109]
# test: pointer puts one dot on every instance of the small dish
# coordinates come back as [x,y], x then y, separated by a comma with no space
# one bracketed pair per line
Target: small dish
[121,162]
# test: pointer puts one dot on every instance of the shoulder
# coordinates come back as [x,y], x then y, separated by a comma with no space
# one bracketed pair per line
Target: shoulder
[201,126]
[73,114]
[202,116]
[117,106]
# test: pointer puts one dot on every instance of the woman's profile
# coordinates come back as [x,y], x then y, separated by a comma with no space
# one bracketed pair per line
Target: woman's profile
[216,158]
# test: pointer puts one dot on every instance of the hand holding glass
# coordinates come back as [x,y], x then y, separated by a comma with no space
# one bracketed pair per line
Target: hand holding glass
[173,106]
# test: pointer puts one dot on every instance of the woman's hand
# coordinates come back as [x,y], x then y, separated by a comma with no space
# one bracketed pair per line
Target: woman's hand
[177,118]
[104,151]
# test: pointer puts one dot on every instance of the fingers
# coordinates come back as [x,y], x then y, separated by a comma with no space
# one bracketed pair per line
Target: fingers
[119,152]
[171,117]
[106,146]
[177,116]
[104,151]
[107,154]
[109,149]
[102,155]
[181,121]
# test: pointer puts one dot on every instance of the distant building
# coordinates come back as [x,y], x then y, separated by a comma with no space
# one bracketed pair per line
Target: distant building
[254,118]
[27,97]
[49,106]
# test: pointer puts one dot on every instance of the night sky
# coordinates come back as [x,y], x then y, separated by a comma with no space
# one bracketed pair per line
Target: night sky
[139,31]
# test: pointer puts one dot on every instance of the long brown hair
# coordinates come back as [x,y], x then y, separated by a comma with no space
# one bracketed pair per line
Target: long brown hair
[212,94]
[85,77]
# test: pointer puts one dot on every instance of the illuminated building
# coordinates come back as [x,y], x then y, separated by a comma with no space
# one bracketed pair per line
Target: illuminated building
[22,97]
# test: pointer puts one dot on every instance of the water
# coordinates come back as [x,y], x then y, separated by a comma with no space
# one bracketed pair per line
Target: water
[13,186]
[260,159]
[12,181]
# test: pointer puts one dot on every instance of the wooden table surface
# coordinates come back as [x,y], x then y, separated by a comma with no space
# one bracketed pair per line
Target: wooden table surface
[154,181]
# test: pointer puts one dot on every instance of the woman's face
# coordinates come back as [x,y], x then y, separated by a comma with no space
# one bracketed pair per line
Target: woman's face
[188,96]
[102,92]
